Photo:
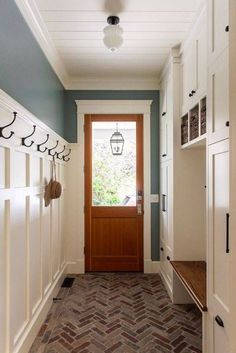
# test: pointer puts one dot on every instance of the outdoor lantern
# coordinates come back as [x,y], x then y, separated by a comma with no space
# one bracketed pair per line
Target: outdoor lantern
[117,143]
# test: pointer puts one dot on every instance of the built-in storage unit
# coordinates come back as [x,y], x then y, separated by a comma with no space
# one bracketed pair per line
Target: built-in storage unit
[183,227]
[198,203]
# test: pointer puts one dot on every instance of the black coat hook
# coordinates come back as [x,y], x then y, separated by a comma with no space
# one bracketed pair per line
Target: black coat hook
[66,155]
[58,153]
[40,144]
[3,127]
[24,138]
[53,148]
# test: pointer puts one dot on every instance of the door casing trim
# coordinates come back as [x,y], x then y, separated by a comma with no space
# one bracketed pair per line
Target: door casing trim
[117,107]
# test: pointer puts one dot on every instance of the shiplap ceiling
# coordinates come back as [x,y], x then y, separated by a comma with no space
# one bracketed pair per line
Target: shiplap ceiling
[151,29]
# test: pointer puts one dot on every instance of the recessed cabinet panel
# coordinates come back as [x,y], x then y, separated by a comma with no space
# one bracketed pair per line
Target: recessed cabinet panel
[218,11]
[201,61]
[219,237]
[218,99]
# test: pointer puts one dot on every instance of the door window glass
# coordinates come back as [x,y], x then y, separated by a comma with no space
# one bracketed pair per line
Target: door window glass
[114,163]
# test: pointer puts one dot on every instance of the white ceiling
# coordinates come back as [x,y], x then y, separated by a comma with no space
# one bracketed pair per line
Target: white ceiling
[151,29]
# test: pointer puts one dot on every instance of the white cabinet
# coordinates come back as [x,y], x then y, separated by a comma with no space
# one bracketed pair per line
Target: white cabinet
[165,121]
[218,99]
[219,246]
[218,35]
[194,65]
[166,204]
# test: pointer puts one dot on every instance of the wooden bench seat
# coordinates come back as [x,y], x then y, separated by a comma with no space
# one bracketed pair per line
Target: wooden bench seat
[193,276]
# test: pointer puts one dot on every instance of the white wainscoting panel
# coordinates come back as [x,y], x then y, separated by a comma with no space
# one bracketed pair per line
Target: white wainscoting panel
[32,241]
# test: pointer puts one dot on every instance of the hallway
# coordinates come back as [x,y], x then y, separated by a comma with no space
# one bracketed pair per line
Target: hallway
[120,313]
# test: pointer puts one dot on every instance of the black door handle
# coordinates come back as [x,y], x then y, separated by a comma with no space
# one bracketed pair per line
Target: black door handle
[227,123]
[163,114]
[219,321]
[164,155]
[162,249]
[227,233]
[193,92]
[227,29]
[163,203]
[190,95]
[168,258]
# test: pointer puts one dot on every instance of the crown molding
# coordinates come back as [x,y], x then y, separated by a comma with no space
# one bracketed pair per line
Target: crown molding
[112,84]
[32,16]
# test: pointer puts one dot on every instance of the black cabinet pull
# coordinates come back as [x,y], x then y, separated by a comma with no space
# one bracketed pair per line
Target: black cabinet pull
[163,114]
[227,123]
[162,249]
[168,258]
[227,233]
[164,155]
[227,29]
[163,203]
[219,321]
[190,95]
[193,92]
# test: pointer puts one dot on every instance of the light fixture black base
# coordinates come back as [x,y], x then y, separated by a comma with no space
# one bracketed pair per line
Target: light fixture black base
[113,20]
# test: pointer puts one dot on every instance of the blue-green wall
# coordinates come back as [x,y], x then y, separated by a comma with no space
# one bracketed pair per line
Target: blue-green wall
[26,76]
[71,134]
[25,73]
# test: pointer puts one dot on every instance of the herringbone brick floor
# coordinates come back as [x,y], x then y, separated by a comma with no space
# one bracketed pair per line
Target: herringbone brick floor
[119,313]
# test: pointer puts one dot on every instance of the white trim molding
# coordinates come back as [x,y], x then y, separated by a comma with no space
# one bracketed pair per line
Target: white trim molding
[75,181]
[96,83]
[32,16]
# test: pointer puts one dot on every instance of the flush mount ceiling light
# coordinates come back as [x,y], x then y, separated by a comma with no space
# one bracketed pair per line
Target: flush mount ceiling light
[113,34]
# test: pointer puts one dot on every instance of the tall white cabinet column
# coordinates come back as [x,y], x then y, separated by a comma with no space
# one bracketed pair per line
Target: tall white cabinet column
[221,176]
[183,233]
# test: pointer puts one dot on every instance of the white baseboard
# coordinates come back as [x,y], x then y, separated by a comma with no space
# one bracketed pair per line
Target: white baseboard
[151,266]
[76,267]
[40,315]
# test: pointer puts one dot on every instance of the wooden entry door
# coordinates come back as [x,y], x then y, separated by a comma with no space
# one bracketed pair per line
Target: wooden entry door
[113,194]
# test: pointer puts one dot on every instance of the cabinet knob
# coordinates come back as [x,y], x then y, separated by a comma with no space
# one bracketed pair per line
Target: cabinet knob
[162,249]
[163,114]
[168,258]
[227,123]
[190,95]
[193,92]
[227,29]
[219,321]
[164,155]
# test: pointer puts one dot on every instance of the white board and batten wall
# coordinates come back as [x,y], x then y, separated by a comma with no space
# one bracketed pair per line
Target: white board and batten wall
[32,237]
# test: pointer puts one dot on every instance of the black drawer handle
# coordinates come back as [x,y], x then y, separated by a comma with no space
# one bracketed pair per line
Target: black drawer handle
[163,203]
[227,233]
[162,249]
[168,258]
[227,29]
[164,155]
[219,321]
[163,114]
[227,123]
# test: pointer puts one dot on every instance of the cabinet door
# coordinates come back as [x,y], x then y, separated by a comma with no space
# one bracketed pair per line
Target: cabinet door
[218,99]
[201,61]
[166,123]
[189,77]
[166,204]
[218,245]
[218,20]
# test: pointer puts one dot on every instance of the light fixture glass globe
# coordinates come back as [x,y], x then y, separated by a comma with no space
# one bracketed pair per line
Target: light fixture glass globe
[113,39]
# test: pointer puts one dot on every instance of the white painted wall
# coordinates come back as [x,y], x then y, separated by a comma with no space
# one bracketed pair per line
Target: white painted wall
[32,252]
